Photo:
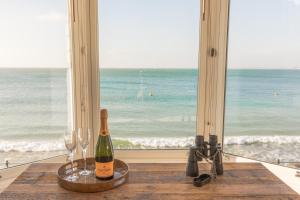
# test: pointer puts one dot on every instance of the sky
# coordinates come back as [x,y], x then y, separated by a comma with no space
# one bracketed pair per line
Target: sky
[150,33]
[33,33]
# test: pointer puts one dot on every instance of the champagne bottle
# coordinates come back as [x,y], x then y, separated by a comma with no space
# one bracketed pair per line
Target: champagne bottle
[104,151]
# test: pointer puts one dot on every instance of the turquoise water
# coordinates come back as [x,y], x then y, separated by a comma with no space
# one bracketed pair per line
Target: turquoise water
[33,103]
[262,115]
[150,102]
[263,102]
[155,108]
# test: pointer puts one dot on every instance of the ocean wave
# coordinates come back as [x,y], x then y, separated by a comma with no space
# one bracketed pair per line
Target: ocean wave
[183,142]
[157,142]
[247,140]
[29,146]
[146,142]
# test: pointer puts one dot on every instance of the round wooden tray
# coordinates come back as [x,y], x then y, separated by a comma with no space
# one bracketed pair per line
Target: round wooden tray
[90,183]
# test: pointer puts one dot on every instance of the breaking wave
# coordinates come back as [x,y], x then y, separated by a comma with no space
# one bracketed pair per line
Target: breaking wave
[146,142]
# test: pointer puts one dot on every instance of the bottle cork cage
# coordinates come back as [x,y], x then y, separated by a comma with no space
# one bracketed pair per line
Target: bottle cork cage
[91,183]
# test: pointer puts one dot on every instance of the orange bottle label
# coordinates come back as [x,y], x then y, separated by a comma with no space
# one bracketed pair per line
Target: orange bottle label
[104,170]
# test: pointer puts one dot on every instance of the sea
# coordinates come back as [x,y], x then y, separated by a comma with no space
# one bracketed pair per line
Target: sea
[152,108]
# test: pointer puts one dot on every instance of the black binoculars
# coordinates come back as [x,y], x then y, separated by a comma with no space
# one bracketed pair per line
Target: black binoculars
[208,151]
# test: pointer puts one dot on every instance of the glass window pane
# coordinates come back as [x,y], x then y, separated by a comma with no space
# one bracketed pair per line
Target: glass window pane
[34,63]
[262,118]
[148,71]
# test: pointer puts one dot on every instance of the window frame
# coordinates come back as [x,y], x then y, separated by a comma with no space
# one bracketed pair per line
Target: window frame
[83,27]
[211,68]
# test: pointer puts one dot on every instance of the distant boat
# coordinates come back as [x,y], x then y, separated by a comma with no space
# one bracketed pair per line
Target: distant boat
[151,94]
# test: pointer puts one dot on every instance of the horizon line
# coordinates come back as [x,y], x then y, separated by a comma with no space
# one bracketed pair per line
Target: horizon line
[254,68]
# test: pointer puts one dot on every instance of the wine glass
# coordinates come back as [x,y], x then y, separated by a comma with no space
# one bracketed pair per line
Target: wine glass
[84,135]
[70,143]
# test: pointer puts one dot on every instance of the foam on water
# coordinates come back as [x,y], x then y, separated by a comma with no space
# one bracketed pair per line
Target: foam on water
[182,142]
[29,146]
[247,140]
[158,142]
[149,142]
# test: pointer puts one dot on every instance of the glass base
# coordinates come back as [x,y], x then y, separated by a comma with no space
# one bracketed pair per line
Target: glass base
[71,178]
[85,172]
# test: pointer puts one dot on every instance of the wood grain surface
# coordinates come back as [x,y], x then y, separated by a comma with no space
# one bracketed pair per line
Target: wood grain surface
[158,181]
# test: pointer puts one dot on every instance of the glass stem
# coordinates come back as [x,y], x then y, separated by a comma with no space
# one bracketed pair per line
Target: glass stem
[71,158]
[84,157]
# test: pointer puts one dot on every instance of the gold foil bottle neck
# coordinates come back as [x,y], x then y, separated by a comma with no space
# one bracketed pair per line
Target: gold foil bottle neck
[103,113]
[103,119]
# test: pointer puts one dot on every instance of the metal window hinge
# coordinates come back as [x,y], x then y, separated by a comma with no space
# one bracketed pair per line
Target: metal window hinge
[82,106]
[212,52]
[82,50]
[203,10]
[73,10]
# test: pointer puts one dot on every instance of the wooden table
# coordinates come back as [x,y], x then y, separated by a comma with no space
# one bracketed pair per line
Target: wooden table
[158,181]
